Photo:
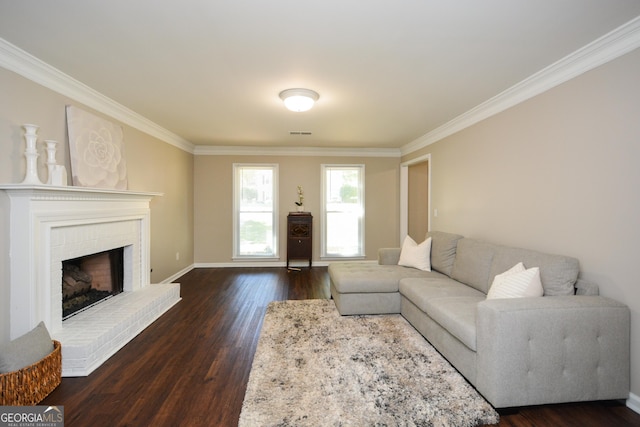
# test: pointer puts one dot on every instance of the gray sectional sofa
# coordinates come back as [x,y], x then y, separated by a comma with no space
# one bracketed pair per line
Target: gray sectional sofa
[569,345]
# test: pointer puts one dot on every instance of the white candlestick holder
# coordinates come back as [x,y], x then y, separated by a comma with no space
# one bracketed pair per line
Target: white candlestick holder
[51,158]
[31,154]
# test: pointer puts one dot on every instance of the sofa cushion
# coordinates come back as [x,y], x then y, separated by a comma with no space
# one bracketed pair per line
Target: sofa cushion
[443,250]
[473,263]
[416,255]
[585,287]
[517,282]
[457,315]
[358,277]
[420,290]
[448,302]
[558,273]
[388,256]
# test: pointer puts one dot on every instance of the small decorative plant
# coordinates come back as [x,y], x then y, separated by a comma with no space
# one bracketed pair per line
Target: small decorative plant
[300,196]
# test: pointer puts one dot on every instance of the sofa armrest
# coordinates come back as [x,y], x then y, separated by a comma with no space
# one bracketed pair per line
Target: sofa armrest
[552,349]
[388,256]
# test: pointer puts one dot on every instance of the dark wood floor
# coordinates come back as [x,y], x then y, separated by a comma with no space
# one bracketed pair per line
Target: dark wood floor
[191,366]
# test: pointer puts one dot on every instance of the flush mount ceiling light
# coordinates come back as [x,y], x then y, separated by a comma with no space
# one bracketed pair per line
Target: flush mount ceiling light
[299,99]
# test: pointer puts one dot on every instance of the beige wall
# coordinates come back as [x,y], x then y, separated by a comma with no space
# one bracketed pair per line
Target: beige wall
[152,165]
[558,173]
[214,201]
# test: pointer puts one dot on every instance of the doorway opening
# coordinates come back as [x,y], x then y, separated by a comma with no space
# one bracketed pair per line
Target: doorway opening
[415,198]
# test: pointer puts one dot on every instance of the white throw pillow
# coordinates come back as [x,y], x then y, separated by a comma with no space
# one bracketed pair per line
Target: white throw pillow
[517,282]
[414,255]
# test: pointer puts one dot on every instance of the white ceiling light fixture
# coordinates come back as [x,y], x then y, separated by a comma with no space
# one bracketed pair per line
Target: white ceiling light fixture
[299,100]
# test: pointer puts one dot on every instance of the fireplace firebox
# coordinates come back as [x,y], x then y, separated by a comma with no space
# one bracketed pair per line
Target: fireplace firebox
[91,279]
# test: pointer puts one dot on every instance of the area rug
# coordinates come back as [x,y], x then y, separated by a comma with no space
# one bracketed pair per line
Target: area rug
[313,367]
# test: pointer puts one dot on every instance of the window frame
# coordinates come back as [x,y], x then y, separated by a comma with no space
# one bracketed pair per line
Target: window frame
[323,206]
[237,189]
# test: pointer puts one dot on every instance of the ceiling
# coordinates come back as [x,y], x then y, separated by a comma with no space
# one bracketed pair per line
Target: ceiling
[387,72]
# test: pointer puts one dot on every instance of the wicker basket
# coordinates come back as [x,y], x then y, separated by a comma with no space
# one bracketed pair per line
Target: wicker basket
[31,384]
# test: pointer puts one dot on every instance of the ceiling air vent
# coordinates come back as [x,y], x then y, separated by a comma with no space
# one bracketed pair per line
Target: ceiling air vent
[299,132]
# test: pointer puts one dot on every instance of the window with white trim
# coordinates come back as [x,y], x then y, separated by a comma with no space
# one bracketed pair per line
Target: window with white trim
[342,211]
[255,218]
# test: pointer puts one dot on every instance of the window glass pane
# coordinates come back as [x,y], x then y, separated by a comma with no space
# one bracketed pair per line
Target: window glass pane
[255,232]
[256,190]
[343,234]
[343,211]
[342,188]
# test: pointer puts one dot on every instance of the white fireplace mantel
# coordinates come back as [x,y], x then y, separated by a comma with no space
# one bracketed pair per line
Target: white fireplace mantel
[49,192]
[35,211]
[49,224]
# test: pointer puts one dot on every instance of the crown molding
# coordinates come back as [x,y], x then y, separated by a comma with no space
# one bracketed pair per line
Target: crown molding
[612,45]
[213,150]
[28,66]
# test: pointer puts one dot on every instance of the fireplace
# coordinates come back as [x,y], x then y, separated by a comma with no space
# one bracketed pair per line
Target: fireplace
[91,279]
[51,225]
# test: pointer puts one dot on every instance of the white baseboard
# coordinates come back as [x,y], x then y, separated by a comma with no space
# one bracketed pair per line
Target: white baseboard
[296,264]
[633,402]
[178,274]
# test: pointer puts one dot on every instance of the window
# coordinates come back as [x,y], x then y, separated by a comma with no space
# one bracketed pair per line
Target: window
[343,210]
[255,223]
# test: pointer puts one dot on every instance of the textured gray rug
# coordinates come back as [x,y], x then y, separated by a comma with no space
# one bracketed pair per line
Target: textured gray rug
[314,367]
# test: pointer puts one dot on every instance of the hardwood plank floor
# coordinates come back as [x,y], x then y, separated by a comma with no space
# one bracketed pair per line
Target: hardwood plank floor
[191,366]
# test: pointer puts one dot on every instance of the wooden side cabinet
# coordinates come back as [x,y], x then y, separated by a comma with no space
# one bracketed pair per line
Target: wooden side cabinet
[299,236]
